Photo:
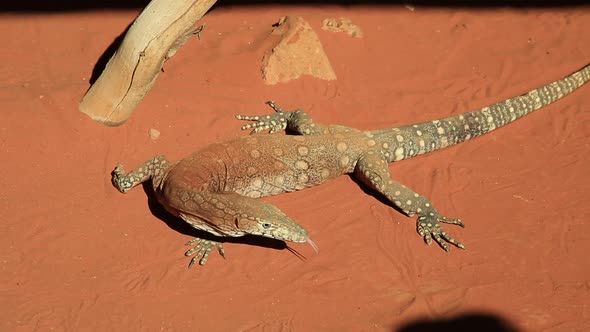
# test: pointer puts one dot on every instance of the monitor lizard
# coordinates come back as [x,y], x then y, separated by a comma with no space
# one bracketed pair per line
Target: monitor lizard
[216,188]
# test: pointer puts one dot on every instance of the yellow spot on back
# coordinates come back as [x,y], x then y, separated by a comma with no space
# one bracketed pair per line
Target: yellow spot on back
[302,178]
[303,150]
[278,151]
[371,142]
[301,164]
[341,146]
[344,161]
[399,153]
[254,153]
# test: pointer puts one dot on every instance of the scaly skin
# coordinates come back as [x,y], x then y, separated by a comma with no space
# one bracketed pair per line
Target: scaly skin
[215,189]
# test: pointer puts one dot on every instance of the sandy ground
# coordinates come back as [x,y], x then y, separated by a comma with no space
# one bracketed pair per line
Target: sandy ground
[77,255]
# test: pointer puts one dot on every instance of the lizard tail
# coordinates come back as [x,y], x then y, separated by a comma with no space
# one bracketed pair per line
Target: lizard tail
[434,135]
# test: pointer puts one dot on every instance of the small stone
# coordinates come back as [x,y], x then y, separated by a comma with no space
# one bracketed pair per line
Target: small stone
[154,134]
[409,7]
[342,24]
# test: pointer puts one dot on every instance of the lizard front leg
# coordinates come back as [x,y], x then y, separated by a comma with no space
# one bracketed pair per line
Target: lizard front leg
[374,171]
[297,121]
[154,169]
[201,250]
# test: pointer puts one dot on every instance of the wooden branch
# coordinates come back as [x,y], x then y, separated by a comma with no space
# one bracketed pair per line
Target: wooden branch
[161,28]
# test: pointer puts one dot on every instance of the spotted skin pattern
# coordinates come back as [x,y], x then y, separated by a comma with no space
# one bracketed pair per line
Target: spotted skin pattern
[216,188]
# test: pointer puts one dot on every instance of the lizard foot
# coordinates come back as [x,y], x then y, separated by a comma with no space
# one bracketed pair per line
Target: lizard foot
[122,182]
[274,122]
[202,250]
[428,227]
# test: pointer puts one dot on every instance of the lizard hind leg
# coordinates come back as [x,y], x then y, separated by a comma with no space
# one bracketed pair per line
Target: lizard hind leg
[373,170]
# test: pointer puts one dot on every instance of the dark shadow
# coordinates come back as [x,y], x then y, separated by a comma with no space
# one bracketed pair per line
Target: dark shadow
[183,227]
[27,6]
[372,192]
[53,6]
[106,56]
[476,321]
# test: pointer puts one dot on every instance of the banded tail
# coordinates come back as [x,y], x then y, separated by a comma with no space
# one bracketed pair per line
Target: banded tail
[413,140]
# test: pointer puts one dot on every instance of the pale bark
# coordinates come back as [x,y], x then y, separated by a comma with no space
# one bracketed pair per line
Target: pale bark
[161,28]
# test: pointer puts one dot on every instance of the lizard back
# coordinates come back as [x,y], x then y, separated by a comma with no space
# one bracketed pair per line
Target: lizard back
[259,166]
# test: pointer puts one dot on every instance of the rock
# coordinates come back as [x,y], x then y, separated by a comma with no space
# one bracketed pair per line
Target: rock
[342,25]
[154,134]
[298,52]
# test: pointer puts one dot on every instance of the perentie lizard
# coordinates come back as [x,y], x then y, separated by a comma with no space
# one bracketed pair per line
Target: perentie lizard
[215,188]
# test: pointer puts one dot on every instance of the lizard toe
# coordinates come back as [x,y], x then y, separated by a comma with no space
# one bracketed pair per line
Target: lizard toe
[201,250]
[457,222]
[428,227]
[273,123]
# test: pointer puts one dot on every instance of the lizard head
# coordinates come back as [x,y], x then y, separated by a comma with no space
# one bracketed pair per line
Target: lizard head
[230,214]
[263,219]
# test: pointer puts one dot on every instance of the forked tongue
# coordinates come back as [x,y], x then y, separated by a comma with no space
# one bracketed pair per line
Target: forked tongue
[313,245]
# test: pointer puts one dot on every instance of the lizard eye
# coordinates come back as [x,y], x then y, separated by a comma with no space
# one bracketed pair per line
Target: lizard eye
[266,225]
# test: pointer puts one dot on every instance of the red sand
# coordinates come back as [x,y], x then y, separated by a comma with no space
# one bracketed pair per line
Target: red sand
[78,255]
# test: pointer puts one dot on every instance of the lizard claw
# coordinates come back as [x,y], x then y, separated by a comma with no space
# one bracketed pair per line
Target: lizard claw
[273,123]
[202,249]
[428,227]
